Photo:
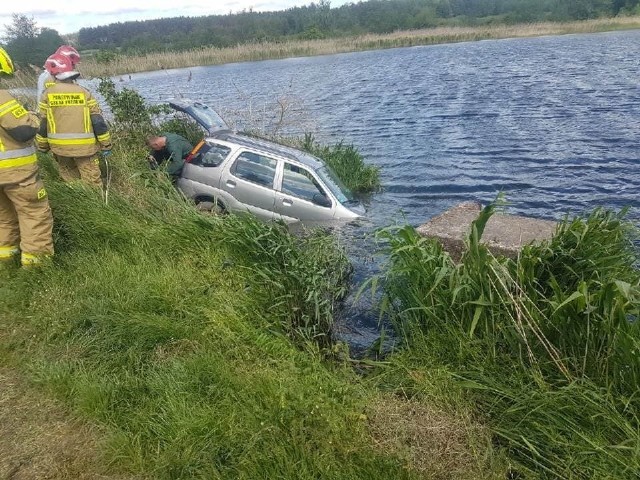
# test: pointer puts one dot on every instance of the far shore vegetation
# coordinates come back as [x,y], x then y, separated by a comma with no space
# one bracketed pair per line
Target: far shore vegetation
[313,29]
[109,63]
[117,64]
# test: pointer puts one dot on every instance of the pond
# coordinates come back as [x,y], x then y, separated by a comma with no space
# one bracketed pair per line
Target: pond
[553,122]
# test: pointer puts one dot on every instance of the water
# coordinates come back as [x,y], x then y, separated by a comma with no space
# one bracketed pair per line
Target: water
[554,122]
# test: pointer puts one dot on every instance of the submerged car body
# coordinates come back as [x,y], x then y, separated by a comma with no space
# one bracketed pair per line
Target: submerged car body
[235,172]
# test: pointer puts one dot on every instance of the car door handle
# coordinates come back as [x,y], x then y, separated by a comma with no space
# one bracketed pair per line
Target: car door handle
[287,202]
[231,183]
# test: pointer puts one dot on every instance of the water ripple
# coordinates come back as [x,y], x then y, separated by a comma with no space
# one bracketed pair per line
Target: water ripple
[554,122]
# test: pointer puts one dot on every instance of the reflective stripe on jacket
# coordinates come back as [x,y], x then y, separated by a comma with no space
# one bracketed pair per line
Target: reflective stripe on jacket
[17,129]
[72,123]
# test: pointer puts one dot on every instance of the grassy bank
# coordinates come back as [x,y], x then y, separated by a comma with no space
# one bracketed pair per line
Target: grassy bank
[200,346]
[304,48]
[546,344]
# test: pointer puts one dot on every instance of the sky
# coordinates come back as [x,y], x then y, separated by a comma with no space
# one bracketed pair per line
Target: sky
[72,15]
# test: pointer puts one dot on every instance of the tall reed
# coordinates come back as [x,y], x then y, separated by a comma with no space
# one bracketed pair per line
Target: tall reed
[547,343]
[347,163]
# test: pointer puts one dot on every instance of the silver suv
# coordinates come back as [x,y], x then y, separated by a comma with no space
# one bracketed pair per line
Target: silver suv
[235,172]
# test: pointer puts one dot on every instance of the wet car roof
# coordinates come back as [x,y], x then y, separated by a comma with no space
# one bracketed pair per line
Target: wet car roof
[217,128]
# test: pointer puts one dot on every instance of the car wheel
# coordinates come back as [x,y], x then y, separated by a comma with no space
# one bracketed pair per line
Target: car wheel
[215,208]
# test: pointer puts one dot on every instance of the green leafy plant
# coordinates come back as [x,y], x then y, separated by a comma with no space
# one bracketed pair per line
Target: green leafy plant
[184,127]
[130,112]
[347,163]
[547,344]
[105,57]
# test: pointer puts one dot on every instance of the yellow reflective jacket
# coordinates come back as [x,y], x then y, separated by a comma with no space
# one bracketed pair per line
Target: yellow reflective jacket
[71,122]
[17,152]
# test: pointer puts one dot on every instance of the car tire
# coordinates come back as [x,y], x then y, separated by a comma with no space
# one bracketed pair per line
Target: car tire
[212,207]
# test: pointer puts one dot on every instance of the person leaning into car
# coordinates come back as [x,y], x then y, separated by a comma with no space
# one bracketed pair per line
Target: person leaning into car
[169,148]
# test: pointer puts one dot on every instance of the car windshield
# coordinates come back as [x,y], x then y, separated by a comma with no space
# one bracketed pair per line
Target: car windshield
[342,193]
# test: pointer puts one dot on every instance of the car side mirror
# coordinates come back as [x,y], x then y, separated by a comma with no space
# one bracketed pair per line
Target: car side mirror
[321,200]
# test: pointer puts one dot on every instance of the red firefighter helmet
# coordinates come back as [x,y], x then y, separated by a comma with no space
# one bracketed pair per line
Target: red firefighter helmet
[69,52]
[60,66]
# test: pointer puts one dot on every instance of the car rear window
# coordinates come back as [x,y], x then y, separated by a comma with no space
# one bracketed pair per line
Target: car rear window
[211,155]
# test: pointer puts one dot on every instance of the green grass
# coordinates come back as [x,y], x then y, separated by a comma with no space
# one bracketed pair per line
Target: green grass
[151,324]
[201,345]
[546,344]
[347,163]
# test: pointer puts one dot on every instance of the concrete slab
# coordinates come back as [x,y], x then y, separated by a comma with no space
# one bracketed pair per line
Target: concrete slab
[504,234]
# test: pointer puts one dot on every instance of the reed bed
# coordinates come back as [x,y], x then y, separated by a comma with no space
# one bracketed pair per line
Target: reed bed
[546,344]
[124,64]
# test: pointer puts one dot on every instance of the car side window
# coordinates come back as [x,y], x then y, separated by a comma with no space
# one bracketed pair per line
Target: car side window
[299,182]
[255,168]
[211,155]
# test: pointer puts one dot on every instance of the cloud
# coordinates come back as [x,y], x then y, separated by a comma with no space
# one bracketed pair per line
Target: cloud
[117,13]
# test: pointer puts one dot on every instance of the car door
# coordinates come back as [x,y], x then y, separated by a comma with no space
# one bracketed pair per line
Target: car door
[301,195]
[250,179]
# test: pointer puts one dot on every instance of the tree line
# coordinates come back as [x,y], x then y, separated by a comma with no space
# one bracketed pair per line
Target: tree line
[29,44]
[319,20]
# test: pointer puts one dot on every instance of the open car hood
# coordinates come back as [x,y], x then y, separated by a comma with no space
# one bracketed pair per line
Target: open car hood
[204,115]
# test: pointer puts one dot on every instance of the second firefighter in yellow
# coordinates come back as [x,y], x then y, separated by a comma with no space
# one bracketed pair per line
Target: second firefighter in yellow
[72,126]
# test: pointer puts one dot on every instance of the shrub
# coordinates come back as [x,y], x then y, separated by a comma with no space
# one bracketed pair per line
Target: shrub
[347,163]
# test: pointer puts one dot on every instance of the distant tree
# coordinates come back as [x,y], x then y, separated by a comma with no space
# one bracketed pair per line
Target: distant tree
[27,43]
[20,38]
[625,6]
[21,27]
[46,43]
[312,33]
[584,9]
[105,56]
[323,15]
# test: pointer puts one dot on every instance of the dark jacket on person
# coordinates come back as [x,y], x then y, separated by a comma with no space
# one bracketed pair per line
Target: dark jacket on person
[174,152]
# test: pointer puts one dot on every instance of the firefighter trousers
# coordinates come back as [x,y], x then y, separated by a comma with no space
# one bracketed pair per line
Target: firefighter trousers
[86,169]
[26,222]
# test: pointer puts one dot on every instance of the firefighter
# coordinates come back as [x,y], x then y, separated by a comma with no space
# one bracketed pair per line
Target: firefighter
[72,126]
[26,223]
[46,78]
